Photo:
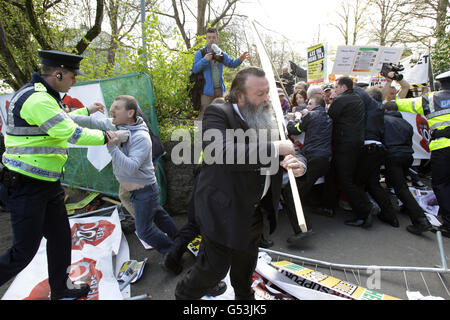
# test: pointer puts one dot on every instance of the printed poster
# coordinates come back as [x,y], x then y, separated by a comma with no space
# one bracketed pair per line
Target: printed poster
[316,64]
[95,240]
[364,60]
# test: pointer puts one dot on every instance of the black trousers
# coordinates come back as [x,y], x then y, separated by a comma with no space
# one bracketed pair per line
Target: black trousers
[345,164]
[37,210]
[396,172]
[215,261]
[368,175]
[440,181]
[317,167]
[186,234]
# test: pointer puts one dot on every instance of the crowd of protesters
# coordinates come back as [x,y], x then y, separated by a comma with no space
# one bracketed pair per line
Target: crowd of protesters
[341,135]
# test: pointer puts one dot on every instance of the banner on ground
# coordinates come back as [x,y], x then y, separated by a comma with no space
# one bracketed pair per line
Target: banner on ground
[95,240]
[322,282]
[364,60]
[317,63]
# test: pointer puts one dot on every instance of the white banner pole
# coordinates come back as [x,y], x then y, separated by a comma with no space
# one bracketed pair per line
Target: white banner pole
[267,66]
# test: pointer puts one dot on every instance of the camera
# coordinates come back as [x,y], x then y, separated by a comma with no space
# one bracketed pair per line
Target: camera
[217,53]
[390,67]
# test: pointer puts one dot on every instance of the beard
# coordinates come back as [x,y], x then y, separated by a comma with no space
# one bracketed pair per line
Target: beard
[261,118]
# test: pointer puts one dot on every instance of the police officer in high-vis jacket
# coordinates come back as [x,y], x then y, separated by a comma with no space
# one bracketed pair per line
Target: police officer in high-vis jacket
[37,135]
[436,108]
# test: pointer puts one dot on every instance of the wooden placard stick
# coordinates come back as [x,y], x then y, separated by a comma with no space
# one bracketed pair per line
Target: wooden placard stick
[267,66]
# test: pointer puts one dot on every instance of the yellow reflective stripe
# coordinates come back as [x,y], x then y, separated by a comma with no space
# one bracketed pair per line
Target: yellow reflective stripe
[200,159]
[53,121]
[440,124]
[17,164]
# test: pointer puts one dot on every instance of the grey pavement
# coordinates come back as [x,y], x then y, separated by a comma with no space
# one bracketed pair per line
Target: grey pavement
[331,241]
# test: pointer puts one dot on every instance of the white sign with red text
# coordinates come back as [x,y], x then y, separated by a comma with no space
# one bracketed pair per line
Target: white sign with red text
[95,240]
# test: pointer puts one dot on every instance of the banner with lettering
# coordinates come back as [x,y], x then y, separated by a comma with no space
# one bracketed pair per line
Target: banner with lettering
[95,240]
[364,60]
[317,64]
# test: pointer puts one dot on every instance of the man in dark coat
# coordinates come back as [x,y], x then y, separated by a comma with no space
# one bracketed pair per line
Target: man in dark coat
[348,114]
[318,128]
[235,187]
[398,141]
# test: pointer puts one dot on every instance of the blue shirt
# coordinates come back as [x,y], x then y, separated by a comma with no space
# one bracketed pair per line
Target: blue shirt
[205,66]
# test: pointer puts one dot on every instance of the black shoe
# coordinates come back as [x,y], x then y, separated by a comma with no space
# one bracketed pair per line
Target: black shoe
[420,226]
[393,221]
[170,264]
[328,212]
[299,238]
[355,222]
[78,291]
[266,243]
[419,185]
[217,290]
[364,223]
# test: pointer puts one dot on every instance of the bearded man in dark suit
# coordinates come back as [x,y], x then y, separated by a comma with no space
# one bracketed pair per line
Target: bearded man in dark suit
[239,182]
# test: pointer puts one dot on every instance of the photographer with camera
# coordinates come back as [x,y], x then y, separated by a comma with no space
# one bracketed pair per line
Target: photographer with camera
[210,61]
[391,73]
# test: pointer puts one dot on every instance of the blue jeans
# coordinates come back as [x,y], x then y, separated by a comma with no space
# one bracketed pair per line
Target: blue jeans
[153,223]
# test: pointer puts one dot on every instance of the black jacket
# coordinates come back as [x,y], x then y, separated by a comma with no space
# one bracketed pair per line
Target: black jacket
[374,116]
[318,128]
[348,114]
[398,135]
[226,195]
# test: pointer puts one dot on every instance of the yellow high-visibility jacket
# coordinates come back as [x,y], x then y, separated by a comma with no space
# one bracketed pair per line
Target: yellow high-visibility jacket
[38,131]
[435,106]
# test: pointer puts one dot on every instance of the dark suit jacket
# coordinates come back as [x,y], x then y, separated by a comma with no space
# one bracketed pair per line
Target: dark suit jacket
[348,114]
[227,194]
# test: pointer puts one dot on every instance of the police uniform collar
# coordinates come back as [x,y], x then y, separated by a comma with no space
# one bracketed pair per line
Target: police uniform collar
[36,78]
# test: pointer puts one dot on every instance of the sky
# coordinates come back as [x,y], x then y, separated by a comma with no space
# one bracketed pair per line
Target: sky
[298,20]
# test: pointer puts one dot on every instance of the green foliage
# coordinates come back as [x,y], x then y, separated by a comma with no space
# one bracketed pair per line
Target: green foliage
[440,55]
[167,68]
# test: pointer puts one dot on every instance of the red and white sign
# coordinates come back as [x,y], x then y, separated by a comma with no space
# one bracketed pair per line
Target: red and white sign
[94,241]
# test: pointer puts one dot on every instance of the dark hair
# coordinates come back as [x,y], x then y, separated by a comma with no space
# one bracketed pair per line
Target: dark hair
[319,101]
[130,103]
[48,70]
[212,30]
[294,96]
[376,94]
[391,106]
[346,81]
[239,82]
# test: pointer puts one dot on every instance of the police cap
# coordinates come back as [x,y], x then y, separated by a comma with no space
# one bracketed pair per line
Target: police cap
[54,58]
[443,77]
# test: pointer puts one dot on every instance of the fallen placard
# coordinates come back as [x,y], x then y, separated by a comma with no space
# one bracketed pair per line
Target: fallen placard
[319,281]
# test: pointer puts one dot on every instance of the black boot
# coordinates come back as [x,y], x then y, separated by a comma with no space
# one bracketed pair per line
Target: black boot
[217,290]
[419,226]
[78,291]
[170,264]
[392,220]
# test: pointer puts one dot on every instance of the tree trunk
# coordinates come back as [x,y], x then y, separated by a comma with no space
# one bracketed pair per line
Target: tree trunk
[201,12]
[92,32]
